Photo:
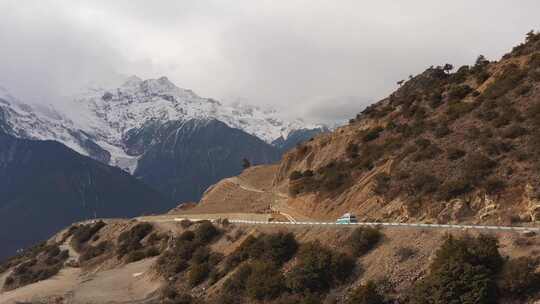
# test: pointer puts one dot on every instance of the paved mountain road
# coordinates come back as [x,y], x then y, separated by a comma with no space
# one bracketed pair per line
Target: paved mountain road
[374,224]
[396,225]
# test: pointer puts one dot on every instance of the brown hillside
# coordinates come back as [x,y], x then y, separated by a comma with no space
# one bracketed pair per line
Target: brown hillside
[444,147]
[397,262]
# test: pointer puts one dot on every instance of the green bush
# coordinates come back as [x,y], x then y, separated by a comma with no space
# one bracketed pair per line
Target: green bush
[236,283]
[454,187]
[478,166]
[169,264]
[352,150]
[427,153]
[130,241]
[205,232]
[405,253]
[83,233]
[266,282]
[366,294]
[519,278]
[382,183]
[372,134]
[318,269]
[43,262]
[463,270]
[421,183]
[185,224]
[135,256]
[295,175]
[198,273]
[524,89]
[494,185]
[459,92]
[333,176]
[459,108]
[90,252]
[277,248]
[441,131]
[170,296]
[187,235]
[363,239]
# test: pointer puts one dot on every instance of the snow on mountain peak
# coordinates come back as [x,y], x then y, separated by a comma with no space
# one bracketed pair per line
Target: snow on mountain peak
[137,101]
[105,114]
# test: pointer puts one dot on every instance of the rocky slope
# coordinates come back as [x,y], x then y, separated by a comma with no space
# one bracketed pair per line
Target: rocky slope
[445,147]
[46,186]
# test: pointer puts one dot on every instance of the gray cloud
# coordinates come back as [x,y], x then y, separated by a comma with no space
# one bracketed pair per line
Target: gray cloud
[297,55]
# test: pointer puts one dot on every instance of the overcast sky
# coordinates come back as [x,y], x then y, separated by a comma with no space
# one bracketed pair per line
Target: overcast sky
[322,60]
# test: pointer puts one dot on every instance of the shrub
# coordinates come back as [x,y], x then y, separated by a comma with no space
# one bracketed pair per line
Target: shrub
[318,269]
[198,273]
[352,150]
[454,187]
[129,241]
[519,278]
[151,252]
[169,264]
[459,108]
[214,276]
[459,92]
[43,262]
[427,153]
[277,248]
[478,166]
[366,294]
[236,284]
[463,269]
[170,296]
[494,185]
[83,233]
[91,252]
[185,223]
[186,236]
[135,256]
[524,88]
[363,239]
[200,255]
[441,131]
[372,134]
[455,153]
[334,181]
[295,175]
[382,183]
[421,183]
[405,253]
[265,281]
[205,232]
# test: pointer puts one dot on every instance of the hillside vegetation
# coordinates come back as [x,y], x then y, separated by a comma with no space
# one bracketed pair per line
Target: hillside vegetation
[221,263]
[448,145]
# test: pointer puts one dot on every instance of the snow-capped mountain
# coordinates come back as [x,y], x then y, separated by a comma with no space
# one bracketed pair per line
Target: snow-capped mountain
[101,121]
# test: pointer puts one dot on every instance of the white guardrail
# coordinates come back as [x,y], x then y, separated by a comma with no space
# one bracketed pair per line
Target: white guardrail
[413,225]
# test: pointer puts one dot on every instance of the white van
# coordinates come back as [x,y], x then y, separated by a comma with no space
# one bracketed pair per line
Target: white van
[347,218]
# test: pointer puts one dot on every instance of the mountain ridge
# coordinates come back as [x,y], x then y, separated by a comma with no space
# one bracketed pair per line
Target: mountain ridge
[46,185]
[98,121]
